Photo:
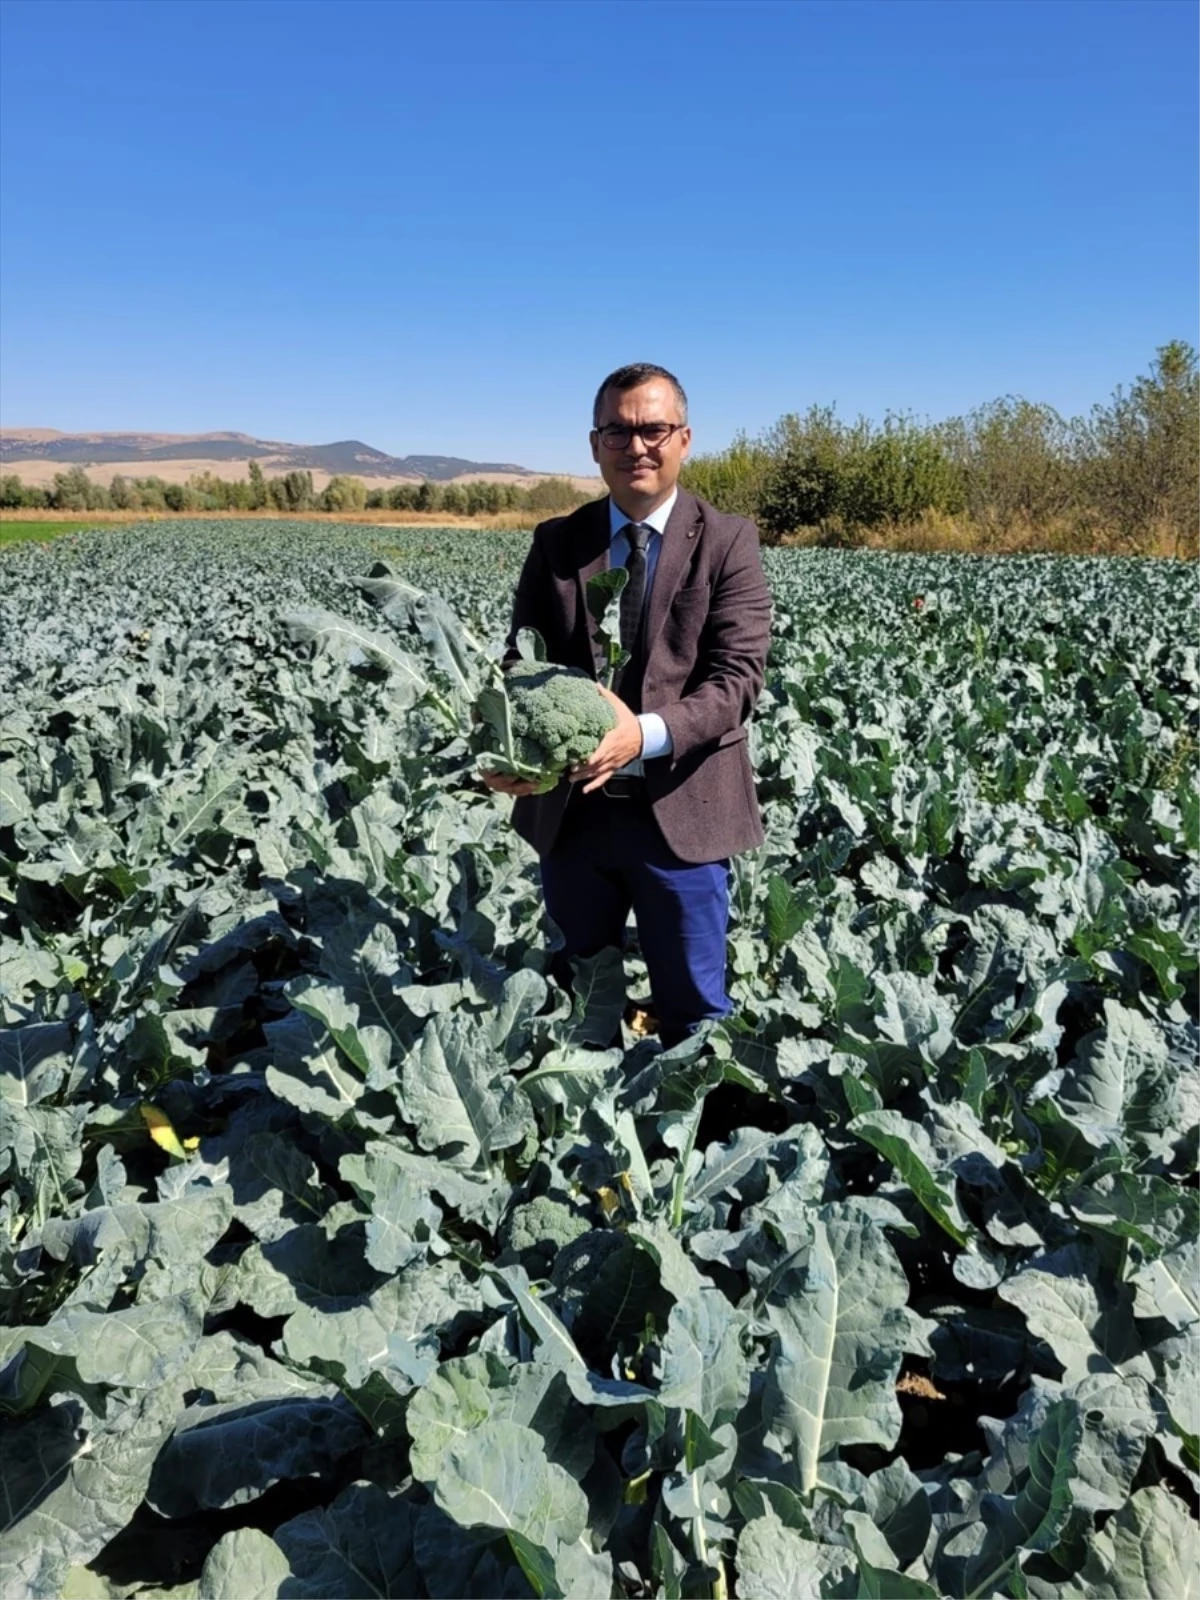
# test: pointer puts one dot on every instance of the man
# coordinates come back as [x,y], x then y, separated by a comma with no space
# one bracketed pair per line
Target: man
[649,822]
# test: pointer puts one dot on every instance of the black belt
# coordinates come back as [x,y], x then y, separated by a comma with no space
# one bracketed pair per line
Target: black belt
[625,788]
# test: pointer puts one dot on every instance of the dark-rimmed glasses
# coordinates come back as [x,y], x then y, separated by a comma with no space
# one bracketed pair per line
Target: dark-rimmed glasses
[616,436]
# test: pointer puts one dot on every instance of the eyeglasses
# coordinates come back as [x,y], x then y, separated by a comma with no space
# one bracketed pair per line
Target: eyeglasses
[618,437]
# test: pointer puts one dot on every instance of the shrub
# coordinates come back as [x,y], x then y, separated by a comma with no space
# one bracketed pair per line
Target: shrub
[1141,453]
[554,495]
[343,493]
[731,479]
[1015,463]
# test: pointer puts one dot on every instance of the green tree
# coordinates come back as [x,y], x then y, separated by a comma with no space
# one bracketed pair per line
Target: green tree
[732,479]
[210,493]
[296,490]
[1142,451]
[803,486]
[895,474]
[153,493]
[454,500]
[554,495]
[123,494]
[258,487]
[73,490]
[428,497]
[1015,462]
[183,497]
[343,493]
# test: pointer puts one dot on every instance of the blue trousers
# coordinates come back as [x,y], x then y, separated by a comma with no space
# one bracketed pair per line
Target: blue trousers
[610,858]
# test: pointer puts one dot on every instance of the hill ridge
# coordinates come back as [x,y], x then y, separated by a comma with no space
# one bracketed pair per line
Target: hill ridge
[141,450]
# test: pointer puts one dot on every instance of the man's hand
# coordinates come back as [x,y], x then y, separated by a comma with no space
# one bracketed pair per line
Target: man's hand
[617,749]
[504,784]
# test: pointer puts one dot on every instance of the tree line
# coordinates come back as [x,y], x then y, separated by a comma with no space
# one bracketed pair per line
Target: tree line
[1011,474]
[73,490]
[1125,478]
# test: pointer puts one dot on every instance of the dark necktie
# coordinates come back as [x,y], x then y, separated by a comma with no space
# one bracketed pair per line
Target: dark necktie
[633,595]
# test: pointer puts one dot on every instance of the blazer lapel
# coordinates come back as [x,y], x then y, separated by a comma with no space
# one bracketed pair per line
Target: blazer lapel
[591,557]
[684,527]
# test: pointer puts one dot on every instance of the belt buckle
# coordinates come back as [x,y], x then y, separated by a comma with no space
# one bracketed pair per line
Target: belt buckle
[621,793]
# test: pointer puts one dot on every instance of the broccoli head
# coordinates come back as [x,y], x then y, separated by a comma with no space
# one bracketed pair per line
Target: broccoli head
[536,1231]
[542,720]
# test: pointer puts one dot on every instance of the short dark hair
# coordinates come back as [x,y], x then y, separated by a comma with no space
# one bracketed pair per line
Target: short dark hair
[632,377]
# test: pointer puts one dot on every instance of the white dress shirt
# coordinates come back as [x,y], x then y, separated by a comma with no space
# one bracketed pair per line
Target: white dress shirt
[656,741]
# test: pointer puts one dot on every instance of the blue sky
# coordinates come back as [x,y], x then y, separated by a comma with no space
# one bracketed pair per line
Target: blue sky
[435,226]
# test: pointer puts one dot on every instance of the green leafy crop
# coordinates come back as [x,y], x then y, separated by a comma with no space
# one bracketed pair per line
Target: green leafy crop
[339,1253]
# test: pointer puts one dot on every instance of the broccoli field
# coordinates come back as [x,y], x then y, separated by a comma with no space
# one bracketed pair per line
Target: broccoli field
[339,1256]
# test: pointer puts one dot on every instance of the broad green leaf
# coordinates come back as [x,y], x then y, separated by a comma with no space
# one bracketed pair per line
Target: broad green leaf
[1147,1550]
[243,1565]
[352,642]
[392,1334]
[619,1296]
[224,1455]
[366,1048]
[44,1141]
[404,1221]
[841,1327]
[597,1000]
[786,914]
[1120,1088]
[33,1061]
[498,1476]
[909,1149]
[1117,1422]
[704,1365]
[1169,1286]
[71,1482]
[470,1390]
[141,1347]
[1138,1206]
[14,801]
[888,1584]
[357,1548]
[603,596]
[774,1561]
[1177,1378]
[1032,1518]
[456,1098]
[165,1230]
[556,1346]
[304,1267]
[1089,1330]
[308,1070]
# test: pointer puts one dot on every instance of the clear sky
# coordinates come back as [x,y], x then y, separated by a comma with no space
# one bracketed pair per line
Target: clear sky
[434,227]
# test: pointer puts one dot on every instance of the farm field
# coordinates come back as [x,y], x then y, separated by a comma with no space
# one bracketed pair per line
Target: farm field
[12,532]
[340,1257]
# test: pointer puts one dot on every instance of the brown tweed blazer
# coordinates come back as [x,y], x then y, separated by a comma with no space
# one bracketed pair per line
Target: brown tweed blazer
[707,631]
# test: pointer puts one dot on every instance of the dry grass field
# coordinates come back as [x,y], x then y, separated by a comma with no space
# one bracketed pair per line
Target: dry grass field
[40,473]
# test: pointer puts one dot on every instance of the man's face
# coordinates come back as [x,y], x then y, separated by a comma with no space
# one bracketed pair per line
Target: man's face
[640,471]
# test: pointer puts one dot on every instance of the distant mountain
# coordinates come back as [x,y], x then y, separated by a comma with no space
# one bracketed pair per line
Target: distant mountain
[140,451]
